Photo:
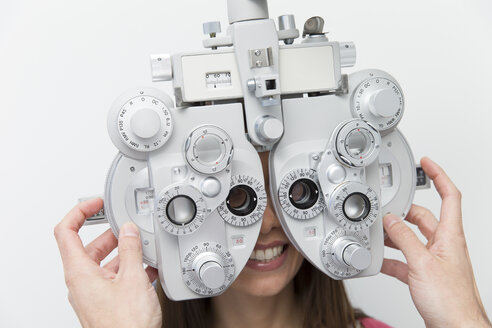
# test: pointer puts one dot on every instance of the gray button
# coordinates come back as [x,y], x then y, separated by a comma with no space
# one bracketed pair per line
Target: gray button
[211,187]
[336,173]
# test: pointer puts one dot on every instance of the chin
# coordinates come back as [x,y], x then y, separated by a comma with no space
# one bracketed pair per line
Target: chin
[256,280]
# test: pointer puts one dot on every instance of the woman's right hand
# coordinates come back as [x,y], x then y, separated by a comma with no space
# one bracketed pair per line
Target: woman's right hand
[119,294]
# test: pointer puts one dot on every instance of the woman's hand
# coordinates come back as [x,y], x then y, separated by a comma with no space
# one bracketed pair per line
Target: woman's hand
[119,294]
[439,274]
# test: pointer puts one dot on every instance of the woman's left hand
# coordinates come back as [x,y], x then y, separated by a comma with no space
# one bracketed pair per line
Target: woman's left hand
[439,273]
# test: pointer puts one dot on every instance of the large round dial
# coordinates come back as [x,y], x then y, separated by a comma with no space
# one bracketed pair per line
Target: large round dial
[181,209]
[246,202]
[208,149]
[354,206]
[379,101]
[144,122]
[345,253]
[299,194]
[208,269]
[357,143]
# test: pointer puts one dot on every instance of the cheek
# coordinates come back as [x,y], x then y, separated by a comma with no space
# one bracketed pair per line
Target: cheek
[257,283]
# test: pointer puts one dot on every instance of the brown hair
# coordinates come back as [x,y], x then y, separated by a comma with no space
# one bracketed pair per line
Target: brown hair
[324,300]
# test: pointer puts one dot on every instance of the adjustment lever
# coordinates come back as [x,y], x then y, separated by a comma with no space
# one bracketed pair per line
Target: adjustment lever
[98,218]
[423,181]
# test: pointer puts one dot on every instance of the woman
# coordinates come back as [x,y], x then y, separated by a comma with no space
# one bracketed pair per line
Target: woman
[286,291]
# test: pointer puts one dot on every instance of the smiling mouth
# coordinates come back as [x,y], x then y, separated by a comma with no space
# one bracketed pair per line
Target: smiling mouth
[268,254]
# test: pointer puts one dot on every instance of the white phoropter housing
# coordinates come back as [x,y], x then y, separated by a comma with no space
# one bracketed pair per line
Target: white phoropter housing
[190,176]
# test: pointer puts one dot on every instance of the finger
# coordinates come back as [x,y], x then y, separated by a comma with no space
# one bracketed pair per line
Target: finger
[113,265]
[151,273]
[389,243]
[396,269]
[66,232]
[129,250]
[404,238]
[451,196]
[100,247]
[423,219]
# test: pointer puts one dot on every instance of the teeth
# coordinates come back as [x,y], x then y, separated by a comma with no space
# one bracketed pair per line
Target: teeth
[266,254]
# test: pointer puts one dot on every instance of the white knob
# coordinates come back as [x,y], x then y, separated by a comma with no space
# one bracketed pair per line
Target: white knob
[212,274]
[352,254]
[269,128]
[211,28]
[357,256]
[383,103]
[145,123]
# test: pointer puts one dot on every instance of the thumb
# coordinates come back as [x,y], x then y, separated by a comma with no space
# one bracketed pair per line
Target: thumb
[404,238]
[129,249]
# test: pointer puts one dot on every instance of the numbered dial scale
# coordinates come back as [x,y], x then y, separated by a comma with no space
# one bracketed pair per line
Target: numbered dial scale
[379,100]
[208,269]
[144,123]
[354,206]
[246,202]
[299,194]
[208,149]
[345,253]
[181,209]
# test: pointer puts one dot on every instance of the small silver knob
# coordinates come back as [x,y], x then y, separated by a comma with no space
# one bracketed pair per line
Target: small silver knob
[211,28]
[269,128]
[286,22]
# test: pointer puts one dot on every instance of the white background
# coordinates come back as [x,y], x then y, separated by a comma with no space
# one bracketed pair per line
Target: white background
[62,63]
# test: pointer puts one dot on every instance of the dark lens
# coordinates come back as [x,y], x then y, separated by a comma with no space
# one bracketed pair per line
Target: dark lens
[242,200]
[303,194]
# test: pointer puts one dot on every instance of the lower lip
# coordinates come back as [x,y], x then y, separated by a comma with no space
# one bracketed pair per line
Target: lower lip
[268,266]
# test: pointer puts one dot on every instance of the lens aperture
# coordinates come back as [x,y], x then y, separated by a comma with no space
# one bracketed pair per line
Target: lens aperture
[242,200]
[303,194]
[356,207]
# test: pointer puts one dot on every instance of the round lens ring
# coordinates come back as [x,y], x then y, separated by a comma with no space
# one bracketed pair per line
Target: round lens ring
[357,143]
[303,194]
[181,210]
[242,200]
[356,207]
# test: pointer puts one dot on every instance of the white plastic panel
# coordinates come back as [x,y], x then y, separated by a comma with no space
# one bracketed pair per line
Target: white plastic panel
[195,70]
[307,69]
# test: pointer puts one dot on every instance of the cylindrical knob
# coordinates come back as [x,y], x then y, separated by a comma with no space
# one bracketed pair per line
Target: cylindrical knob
[212,274]
[383,103]
[211,28]
[352,254]
[357,256]
[145,123]
[269,128]
[243,10]
[286,22]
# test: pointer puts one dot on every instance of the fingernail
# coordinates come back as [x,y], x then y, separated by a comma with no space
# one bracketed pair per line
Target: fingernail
[129,230]
[390,219]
